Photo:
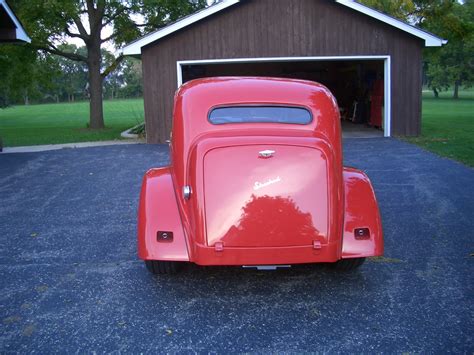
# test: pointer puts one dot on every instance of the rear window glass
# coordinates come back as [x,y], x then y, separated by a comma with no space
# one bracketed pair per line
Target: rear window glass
[260,114]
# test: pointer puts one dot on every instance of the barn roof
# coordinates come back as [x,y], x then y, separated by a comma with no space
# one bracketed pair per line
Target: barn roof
[134,48]
[11,29]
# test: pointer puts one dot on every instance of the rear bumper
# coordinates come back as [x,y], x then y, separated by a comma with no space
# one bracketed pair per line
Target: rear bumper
[203,255]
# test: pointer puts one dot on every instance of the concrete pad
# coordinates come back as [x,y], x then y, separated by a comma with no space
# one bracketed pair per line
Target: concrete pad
[358,130]
[42,148]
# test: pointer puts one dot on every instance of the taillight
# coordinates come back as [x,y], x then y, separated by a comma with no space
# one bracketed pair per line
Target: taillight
[362,233]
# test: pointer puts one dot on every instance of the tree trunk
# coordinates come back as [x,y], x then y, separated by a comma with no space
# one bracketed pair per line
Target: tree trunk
[436,93]
[26,98]
[456,89]
[96,120]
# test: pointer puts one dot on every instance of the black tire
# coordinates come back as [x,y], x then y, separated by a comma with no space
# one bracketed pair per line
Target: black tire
[159,267]
[348,264]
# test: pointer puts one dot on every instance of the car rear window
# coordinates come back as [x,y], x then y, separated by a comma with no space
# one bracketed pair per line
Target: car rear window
[260,114]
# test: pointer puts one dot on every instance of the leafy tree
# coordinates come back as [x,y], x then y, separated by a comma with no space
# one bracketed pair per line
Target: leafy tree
[16,82]
[114,80]
[132,77]
[453,64]
[25,74]
[47,78]
[401,9]
[95,22]
[10,54]
[72,79]
[415,12]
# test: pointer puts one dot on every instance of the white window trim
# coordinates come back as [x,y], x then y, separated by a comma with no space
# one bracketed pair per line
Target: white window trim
[385,58]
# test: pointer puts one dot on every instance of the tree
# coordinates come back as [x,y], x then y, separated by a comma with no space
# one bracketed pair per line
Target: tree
[401,9]
[16,81]
[72,79]
[453,64]
[95,22]
[114,80]
[416,12]
[25,74]
[132,77]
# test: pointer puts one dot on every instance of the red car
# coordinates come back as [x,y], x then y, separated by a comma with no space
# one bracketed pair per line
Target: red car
[256,179]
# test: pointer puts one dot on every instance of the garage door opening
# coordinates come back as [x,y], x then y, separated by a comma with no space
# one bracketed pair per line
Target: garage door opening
[360,84]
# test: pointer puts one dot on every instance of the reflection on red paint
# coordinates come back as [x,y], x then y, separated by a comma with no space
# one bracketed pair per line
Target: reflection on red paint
[271,221]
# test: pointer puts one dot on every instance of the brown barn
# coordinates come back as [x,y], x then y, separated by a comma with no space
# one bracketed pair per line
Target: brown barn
[370,61]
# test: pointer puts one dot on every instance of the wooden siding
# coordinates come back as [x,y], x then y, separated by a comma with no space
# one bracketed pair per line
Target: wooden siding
[283,28]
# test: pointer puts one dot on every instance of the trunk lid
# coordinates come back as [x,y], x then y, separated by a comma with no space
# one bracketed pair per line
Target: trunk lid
[265,195]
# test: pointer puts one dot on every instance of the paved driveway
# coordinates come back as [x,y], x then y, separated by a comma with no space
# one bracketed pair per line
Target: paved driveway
[70,280]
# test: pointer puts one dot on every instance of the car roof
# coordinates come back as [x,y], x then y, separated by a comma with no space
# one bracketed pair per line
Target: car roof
[227,90]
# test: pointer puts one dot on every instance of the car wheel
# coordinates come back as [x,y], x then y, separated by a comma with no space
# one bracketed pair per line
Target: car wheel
[159,267]
[348,264]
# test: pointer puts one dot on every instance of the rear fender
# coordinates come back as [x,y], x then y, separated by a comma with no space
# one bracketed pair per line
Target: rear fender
[361,211]
[158,211]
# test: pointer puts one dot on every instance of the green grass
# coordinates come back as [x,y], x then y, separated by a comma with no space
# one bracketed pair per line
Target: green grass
[448,126]
[66,122]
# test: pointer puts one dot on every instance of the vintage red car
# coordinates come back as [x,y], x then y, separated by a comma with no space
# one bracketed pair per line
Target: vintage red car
[256,179]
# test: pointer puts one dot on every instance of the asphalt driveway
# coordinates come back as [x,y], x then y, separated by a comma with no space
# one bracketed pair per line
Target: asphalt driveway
[71,282]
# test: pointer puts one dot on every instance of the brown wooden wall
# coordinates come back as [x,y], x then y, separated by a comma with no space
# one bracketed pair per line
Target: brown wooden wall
[283,28]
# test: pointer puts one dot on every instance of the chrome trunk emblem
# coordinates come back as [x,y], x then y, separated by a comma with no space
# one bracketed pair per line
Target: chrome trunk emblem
[266,153]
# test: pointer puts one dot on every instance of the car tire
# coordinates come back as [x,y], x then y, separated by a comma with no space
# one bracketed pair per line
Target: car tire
[159,267]
[348,264]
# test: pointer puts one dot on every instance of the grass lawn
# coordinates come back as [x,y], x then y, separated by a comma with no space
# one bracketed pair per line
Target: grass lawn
[448,126]
[66,122]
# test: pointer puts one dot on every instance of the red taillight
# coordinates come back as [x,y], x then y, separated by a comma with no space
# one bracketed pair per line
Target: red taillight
[362,233]
[164,237]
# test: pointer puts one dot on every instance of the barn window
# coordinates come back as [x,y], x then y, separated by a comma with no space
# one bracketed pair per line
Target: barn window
[260,114]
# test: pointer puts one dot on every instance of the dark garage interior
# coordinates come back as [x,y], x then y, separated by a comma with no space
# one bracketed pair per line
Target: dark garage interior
[356,84]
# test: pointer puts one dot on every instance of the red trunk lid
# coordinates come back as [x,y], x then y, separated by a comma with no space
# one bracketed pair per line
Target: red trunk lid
[265,195]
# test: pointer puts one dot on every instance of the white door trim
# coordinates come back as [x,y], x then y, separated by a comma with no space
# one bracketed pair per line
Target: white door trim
[385,58]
